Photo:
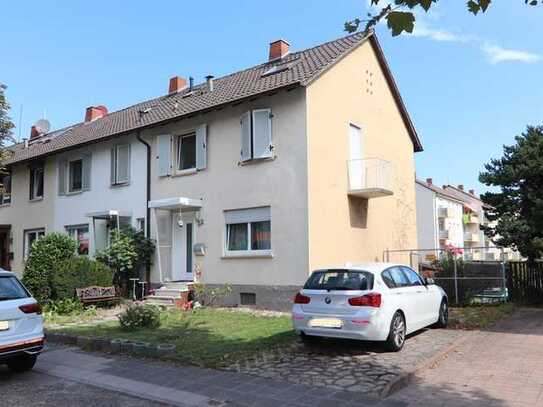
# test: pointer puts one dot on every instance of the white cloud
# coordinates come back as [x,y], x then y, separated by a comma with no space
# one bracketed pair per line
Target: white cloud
[421,30]
[497,54]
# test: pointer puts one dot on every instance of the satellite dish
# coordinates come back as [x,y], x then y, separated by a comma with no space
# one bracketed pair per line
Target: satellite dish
[43,126]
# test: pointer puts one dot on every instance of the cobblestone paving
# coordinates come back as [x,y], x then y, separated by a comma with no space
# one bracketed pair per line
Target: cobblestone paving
[347,365]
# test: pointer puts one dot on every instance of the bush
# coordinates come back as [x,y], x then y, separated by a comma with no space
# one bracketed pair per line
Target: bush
[79,272]
[45,253]
[140,316]
[66,306]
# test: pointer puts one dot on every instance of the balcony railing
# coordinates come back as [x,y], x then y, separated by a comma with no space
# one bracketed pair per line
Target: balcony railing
[370,177]
[443,234]
[471,237]
[474,219]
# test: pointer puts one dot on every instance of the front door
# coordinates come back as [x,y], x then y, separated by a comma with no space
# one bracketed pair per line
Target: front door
[183,240]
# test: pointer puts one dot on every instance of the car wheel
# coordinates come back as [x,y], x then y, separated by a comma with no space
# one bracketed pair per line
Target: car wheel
[308,339]
[396,335]
[443,315]
[22,363]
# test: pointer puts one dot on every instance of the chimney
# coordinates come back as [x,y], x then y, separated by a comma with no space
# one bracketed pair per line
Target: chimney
[461,187]
[34,132]
[210,84]
[472,192]
[95,112]
[191,83]
[429,181]
[278,49]
[177,84]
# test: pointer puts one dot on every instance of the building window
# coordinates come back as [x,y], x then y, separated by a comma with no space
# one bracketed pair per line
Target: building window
[140,224]
[75,175]
[256,135]
[5,192]
[80,233]
[120,165]
[30,236]
[186,152]
[248,231]
[36,182]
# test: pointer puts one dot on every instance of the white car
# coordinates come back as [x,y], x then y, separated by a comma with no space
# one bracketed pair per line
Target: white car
[373,302]
[21,325]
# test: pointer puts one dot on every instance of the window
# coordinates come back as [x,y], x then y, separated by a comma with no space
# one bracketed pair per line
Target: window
[120,164]
[30,236]
[256,135]
[186,152]
[248,231]
[340,280]
[5,195]
[414,278]
[36,182]
[11,289]
[140,222]
[75,171]
[399,277]
[387,278]
[80,233]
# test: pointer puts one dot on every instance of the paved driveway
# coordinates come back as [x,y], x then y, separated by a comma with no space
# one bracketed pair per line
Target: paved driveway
[499,367]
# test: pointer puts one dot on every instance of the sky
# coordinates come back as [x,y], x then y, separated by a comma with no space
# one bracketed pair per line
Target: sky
[470,83]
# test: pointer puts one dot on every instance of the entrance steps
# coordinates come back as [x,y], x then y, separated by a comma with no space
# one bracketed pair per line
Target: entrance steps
[171,295]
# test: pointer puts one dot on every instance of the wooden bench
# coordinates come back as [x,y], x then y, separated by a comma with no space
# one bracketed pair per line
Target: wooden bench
[94,294]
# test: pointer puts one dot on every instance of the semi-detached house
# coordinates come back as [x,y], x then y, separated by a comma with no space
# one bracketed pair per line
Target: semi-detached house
[252,179]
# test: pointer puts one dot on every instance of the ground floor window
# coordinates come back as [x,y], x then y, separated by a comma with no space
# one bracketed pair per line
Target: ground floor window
[80,233]
[30,236]
[248,230]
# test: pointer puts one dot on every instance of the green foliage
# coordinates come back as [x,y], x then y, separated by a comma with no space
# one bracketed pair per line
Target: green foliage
[67,306]
[79,272]
[399,21]
[516,211]
[140,316]
[45,253]
[6,125]
[210,296]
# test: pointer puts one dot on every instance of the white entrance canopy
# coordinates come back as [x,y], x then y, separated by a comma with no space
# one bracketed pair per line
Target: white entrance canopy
[112,213]
[176,203]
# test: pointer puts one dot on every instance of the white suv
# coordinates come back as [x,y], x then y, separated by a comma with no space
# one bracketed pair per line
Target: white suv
[21,325]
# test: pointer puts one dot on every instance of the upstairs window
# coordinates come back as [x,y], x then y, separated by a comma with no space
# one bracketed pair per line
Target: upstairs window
[248,231]
[75,169]
[74,175]
[36,182]
[186,152]
[5,189]
[256,135]
[120,164]
[181,153]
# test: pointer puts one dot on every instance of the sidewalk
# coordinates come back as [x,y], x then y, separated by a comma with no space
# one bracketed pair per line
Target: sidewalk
[190,386]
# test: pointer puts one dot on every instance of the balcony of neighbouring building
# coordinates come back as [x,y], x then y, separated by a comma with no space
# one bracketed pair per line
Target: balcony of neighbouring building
[443,234]
[471,237]
[445,212]
[473,219]
[370,178]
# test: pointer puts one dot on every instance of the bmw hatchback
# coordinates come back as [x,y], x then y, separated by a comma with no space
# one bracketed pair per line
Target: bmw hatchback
[21,325]
[373,302]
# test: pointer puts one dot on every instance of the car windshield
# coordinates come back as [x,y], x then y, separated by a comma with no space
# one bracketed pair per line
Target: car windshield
[340,280]
[11,289]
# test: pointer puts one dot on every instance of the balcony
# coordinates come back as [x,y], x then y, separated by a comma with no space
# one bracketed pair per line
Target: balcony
[445,212]
[443,234]
[473,219]
[370,178]
[471,237]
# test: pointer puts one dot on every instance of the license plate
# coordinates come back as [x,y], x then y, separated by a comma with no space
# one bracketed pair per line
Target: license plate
[326,323]
[4,325]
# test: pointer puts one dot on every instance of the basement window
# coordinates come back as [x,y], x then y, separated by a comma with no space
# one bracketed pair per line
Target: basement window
[247,298]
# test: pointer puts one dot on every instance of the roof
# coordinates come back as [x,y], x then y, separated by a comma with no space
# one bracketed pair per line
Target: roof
[440,191]
[296,69]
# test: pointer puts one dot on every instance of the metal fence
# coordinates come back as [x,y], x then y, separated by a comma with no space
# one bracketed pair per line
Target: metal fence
[468,275]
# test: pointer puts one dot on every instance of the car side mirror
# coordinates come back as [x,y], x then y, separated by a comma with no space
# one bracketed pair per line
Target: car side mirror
[429,281]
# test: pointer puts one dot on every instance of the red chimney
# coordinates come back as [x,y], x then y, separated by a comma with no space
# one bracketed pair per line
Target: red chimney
[461,187]
[34,132]
[429,181]
[95,112]
[177,84]
[278,49]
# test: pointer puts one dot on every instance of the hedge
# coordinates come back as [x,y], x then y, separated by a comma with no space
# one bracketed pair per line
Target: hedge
[79,272]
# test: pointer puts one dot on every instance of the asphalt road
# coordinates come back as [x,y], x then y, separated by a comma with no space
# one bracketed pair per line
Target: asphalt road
[38,389]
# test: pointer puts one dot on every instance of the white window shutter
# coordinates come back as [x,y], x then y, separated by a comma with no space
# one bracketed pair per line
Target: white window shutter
[123,164]
[164,155]
[246,151]
[113,177]
[86,172]
[62,177]
[201,147]
[262,142]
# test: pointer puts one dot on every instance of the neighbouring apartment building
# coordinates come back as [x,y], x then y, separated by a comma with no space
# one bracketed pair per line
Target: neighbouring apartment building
[253,179]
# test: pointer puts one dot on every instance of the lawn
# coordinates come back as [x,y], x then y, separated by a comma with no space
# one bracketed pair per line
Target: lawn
[205,337]
[478,316]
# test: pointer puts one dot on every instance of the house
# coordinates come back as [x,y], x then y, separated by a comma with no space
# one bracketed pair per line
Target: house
[252,179]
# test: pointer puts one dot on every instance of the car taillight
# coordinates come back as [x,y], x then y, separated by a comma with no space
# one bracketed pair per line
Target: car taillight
[368,300]
[31,308]
[301,299]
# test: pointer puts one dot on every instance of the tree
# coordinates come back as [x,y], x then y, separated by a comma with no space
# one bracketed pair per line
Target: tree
[400,17]
[6,125]
[516,212]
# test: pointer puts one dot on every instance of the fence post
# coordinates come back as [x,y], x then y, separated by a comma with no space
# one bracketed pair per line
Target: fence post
[455,281]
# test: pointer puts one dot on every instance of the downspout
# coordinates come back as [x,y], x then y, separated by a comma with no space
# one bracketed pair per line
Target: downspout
[148,198]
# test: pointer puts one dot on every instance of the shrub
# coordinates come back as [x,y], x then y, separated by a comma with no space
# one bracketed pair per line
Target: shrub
[45,253]
[67,306]
[79,272]
[140,316]
[210,296]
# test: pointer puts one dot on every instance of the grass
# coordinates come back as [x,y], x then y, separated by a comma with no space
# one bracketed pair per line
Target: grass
[204,337]
[478,316]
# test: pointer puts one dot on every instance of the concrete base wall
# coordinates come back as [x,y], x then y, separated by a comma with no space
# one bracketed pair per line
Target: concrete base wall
[277,298]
